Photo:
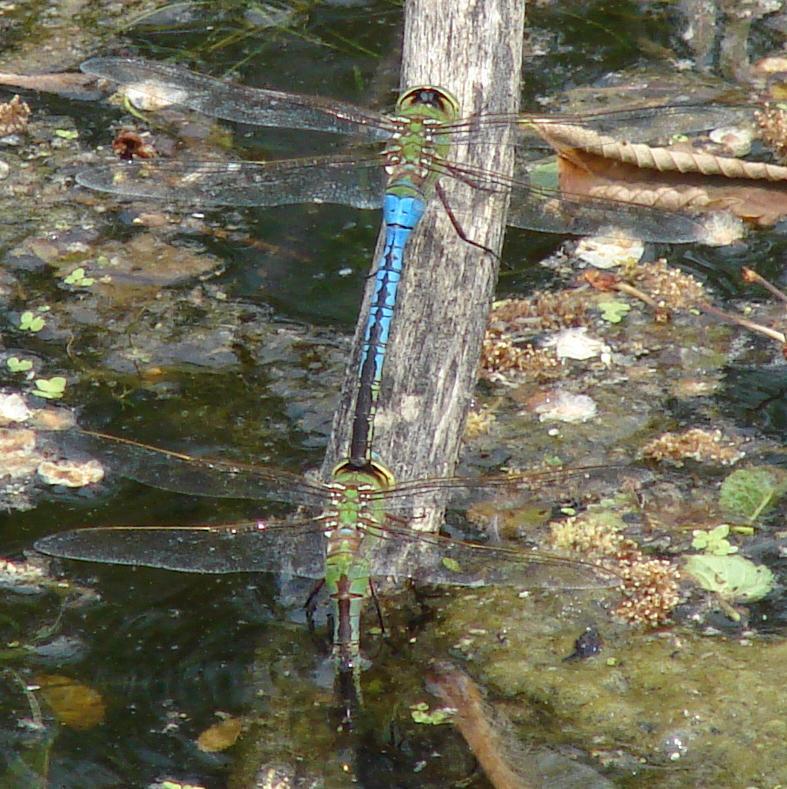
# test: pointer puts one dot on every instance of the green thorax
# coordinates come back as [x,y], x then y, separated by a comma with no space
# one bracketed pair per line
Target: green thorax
[351,525]
[351,486]
[421,112]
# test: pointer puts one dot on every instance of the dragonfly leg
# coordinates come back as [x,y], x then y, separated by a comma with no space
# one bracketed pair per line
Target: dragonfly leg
[310,606]
[376,601]
[456,224]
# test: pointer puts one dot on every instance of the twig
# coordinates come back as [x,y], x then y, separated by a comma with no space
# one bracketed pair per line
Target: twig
[750,275]
[747,324]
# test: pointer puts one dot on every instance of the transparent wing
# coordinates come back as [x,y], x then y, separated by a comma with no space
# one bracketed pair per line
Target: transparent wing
[295,549]
[152,85]
[538,486]
[181,473]
[341,179]
[638,124]
[361,184]
[549,211]
[400,553]
[553,211]
[298,549]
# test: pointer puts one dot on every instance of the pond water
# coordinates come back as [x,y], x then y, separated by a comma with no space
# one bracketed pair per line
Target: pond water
[227,333]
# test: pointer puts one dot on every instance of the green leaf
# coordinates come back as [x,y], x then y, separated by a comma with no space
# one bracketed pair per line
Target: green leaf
[714,541]
[748,492]
[733,578]
[614,311]
[29,321]
[420,714]
[17,365]
[50,388]
[77,277]
[67,134]
[451,564]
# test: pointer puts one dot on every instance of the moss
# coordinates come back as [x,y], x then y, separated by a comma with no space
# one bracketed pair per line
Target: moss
[706,711]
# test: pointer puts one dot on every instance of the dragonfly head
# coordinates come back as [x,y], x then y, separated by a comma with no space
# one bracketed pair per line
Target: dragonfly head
[429,101]
[372,473]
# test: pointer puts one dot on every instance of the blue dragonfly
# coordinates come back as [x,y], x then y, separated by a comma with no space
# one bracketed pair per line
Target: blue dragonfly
[402,177]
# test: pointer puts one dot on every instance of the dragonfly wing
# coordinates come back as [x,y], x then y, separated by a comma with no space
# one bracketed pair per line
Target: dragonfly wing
[185,474]
[534,208]
[638,124]
[340,179]
[289,549]
[152,85]
[552,211]
[433,559]
[536,486]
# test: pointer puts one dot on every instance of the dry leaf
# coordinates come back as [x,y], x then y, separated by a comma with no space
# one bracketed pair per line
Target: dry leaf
[74,705]
[220,736]
[567,138]
[762,202]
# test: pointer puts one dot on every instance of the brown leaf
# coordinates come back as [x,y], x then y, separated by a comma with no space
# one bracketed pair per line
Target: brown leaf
[74,705]
[568,139]
[761,202]
[220,736]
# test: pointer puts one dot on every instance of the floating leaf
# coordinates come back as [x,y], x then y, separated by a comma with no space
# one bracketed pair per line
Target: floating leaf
[220,736]
[733,578]
[17,365]
[451,564]
[420,714]
[714,542]
[74,705]
[747,492]
[77,277]
[50,388]
[614,311]
[29,321]
[175,785]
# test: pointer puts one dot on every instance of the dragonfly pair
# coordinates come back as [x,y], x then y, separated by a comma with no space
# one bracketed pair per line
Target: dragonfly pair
[359,526]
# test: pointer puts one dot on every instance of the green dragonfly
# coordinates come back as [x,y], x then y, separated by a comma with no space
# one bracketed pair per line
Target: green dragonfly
[401,178]
[360,528]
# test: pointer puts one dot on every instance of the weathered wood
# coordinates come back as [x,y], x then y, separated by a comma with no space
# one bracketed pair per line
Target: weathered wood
[474,49]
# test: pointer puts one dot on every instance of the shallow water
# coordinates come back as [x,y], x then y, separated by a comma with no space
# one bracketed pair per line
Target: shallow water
[227,333]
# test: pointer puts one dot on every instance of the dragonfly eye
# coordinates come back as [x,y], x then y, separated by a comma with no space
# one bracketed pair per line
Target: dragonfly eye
[427,96]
